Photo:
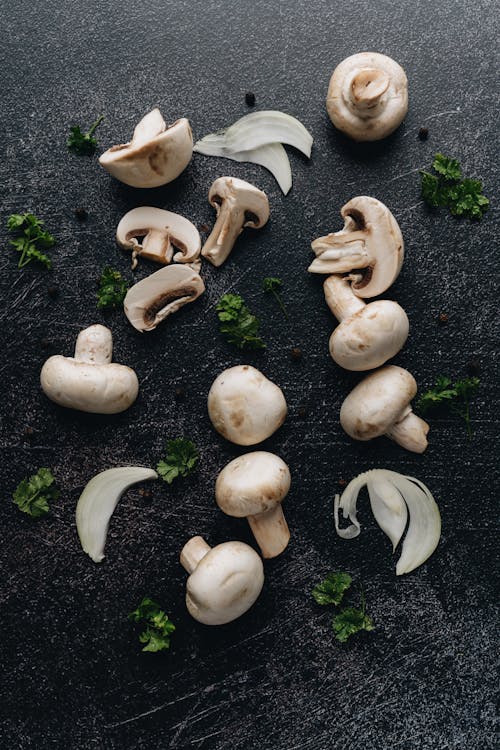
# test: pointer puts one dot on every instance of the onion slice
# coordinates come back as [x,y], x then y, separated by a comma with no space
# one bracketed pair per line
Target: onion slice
[394,498]
[98,502]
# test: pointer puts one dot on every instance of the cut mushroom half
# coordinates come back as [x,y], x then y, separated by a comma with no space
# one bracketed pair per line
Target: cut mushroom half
[238,204]
[161,231]
[156,155]
[159,295]
[370,247]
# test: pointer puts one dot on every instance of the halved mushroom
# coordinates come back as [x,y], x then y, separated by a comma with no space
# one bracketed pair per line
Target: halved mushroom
[157,154]
[161,232]
[370,243]
[238,204]
[368,96]
[159,295]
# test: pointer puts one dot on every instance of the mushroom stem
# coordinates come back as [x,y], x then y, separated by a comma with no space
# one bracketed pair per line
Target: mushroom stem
[341,252]
[340,298]
[410,432]
[368,87]
[227,228]
[271,531]
[192,552]
[94,345]
[157,242]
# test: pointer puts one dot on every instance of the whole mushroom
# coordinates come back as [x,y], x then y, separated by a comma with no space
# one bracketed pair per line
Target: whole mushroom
[368,96]
[157,154]
[90,382]
[238,204]
[381,405]
[244,406]
[253,486]
[224,581]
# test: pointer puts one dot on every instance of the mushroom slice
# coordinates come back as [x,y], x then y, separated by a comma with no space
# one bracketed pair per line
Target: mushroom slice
[156,155]
[159,295]
[370,243]
[161,231]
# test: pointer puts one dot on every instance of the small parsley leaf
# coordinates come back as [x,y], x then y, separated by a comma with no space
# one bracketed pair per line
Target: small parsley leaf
[32,241]
[448,168]
[332,589]
[33,494]
[463,197]
[237,323]
[112,288]
[455,396]
[159,627]
[83,143]
[180,460]
[272,285]
[349,621]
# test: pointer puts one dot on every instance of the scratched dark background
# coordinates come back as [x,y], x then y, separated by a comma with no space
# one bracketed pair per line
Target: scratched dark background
[72,674]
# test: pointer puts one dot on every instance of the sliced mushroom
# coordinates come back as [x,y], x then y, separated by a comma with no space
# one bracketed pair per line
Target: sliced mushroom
[157,154]
[370,243]
[238,204]
[367,96]
[159,295]
[161,232]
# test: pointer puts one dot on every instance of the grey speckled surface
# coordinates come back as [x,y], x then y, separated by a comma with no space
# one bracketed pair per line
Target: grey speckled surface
[72,676]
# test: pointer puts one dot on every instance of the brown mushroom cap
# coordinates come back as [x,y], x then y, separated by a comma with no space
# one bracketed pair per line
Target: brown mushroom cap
[253,483]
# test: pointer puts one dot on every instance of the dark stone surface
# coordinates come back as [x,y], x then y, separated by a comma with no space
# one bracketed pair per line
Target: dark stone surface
[72,675]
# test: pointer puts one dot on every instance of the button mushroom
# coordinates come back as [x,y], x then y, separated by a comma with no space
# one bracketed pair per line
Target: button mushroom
[161,232]
[368,96]
[253,486]
[89,381]
[238,204]
[368,335]
[380,405]
[244,406]
[224,581]
[157,154]
[159,295]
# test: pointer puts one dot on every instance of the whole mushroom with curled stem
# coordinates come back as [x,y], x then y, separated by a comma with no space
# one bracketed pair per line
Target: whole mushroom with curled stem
[367,96]
[238,204]
[89,381]
[253,486]
[381,405]
[224,581]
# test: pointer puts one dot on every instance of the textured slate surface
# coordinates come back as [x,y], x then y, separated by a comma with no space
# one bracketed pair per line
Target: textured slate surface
[72,675]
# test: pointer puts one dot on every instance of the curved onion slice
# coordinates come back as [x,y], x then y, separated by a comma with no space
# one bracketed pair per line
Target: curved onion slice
[98,501]
[394,497]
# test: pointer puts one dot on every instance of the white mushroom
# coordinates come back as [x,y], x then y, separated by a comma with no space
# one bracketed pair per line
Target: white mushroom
[380,405]
[368,335]
[89,381]
[370,243]
[161,232]
[368,96]
[159,295]
[224,581]
[253,486]
[157,154]
[238,204]
[244,406]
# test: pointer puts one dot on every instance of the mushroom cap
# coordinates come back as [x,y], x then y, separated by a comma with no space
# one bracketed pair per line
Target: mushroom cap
[244,406]
[368,96]
[370,337]
[378,402]
[225,583]
[251,484]
[146,220]
[244,197]
[156,155]
[162,293]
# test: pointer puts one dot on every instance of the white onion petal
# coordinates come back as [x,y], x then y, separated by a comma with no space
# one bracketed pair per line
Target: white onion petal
[388,507]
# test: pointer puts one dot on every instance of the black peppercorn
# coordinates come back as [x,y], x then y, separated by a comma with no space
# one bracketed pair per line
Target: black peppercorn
[179,393]
[250,98]
[81,214]
[443,319]
[473,367]
[53,292]
[296,353]
[302,412]
[423,134]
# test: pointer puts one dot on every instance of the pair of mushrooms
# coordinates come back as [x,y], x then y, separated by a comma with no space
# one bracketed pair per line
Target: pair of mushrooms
[364,259]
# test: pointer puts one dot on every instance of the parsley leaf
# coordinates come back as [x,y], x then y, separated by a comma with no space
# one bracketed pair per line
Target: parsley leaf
[464,197]
[455,396]
[83,143]
[350,621]
[33,494]
[237,323]
[331,590]
[273,285]
[159,627]
[33,240]
[112,288]
[448,168]
[180,461]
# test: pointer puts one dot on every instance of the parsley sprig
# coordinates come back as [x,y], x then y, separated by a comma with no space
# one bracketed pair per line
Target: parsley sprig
[83,143]
[332,589]
[237,323]
[464,197]
[272,285]
[454,396]
[34,493]
[159,626]
[349,620]
[32,240]
[180,460]
[112,288]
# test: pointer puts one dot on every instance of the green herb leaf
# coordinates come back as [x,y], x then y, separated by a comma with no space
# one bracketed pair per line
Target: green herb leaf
[455,396]
[32,241]
[462,197]
[112,288]
[447,168]
[331,590]
[159,627]
[33,494]
[180,461]
[273,285]
[350,621]
[83,143]
[237,323]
